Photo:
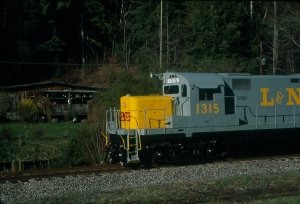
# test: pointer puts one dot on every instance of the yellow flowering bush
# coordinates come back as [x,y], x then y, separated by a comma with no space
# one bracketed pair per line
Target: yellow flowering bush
[28,110]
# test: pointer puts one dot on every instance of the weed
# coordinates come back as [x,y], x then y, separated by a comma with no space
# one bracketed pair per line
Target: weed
[5,134]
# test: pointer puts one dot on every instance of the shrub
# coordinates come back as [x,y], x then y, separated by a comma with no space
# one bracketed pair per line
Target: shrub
[4,105]
[28,110]
[5,134]
[5,148]
[39,133]
[122,83]
[90,147]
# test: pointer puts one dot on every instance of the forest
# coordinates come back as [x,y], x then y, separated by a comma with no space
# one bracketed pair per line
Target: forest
[42,39]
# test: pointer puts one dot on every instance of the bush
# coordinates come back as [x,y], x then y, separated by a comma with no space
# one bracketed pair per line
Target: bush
[124,82]
[5,150]
[4,105]
[28,110]
[89,147]
[5,134]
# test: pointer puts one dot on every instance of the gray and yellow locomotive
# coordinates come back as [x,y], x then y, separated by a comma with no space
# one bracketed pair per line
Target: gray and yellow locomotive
[199,112]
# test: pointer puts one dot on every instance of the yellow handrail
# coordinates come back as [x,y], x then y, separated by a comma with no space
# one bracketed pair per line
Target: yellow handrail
[123,142]
[106,138]
[140,142]
[128,140]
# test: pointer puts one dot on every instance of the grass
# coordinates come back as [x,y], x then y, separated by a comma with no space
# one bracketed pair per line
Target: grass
[43,130]
[274,188]
[39,141]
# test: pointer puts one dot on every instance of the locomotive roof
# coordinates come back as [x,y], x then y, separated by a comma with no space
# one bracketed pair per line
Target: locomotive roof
[213,80]
[203,80]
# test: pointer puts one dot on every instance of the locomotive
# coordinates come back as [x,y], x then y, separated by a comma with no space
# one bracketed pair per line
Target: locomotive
[198,113]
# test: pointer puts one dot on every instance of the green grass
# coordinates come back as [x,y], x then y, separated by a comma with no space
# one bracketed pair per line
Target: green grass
[39,141]
[44,130]
[281,200]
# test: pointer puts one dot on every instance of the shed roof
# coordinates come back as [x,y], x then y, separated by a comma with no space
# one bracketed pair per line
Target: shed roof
[47,84]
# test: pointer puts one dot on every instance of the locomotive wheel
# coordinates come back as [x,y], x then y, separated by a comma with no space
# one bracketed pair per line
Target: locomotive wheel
[146,158]
[123,158]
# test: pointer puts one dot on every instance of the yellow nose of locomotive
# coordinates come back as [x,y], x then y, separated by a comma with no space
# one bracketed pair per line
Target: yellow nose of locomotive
[140,112]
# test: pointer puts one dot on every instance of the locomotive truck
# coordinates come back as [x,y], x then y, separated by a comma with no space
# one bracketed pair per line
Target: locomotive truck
[198,113]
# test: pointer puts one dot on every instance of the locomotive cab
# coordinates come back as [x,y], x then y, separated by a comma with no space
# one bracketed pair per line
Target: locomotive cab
[181,95]
[198,99]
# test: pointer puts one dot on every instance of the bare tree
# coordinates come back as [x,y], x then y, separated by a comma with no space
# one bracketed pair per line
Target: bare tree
[275,39]
[160,34]
[127,34]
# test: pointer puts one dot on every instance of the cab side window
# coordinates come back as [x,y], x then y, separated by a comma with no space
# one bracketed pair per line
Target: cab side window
[184,90]
[208,94]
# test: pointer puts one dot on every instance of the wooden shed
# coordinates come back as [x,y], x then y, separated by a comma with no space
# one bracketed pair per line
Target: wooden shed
[61,100]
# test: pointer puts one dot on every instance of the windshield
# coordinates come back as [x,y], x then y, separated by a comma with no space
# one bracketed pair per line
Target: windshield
[173,89]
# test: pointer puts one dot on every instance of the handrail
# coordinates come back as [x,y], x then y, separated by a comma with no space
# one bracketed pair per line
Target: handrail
[128,140]
[105,136]
[181,106]
[123,142]
[145,115]
[139,141]
[114,116]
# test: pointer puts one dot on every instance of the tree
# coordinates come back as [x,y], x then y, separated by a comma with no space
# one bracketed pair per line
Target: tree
[197,35]
[278,28]
[275,39]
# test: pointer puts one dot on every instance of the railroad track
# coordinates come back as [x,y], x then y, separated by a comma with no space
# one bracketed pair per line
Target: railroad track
[59,172]
[86,170]
[295,157]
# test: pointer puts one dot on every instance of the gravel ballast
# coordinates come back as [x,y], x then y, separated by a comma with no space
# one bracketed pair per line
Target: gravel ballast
[108,182]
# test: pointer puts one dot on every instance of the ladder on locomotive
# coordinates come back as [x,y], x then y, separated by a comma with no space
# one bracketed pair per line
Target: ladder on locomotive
[133,147]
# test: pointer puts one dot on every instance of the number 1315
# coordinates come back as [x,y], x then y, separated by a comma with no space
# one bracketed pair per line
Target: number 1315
[207,108]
